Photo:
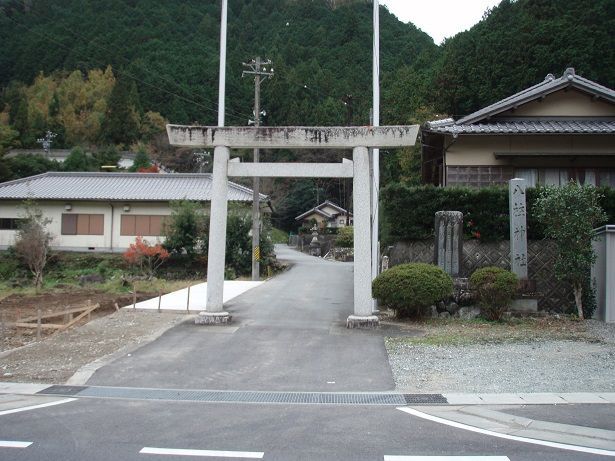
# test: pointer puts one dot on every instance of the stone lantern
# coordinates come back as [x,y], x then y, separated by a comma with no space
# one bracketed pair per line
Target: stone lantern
[315,244]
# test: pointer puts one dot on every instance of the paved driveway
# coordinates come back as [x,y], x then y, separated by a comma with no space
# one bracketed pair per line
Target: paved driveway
[288,335]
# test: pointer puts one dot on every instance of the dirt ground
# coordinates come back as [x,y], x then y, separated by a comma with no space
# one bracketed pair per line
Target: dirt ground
[57,357]
[16,307]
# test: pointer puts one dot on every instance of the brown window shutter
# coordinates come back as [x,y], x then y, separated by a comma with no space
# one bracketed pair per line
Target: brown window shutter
[142,225]
[83,224]
[127,226]
[69,224]
[155,225]
[97,224]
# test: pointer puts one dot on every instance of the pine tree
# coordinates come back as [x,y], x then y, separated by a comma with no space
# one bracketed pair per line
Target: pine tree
[121,123]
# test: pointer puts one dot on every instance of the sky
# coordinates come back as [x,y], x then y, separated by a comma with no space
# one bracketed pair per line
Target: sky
[440,18]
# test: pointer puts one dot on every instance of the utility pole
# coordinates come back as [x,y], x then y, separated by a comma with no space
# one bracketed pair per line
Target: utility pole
[261,70]
[46,142]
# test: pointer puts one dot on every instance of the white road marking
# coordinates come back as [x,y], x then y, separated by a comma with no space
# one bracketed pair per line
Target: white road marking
[14,444]
[203,453]
[545,443]
[446,458]
[36,407]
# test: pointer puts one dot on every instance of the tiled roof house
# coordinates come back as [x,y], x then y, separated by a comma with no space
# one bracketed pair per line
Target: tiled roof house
[558,130]
[105,211]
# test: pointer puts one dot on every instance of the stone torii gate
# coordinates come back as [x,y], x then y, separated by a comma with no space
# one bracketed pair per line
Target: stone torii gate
[359,139]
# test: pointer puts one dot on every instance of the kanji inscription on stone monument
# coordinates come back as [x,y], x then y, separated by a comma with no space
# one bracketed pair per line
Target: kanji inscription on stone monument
[518,228]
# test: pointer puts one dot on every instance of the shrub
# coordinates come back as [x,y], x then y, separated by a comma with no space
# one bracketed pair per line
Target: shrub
[345,237]
[410,289]
[146,257]
[570,214]
[494,288]
[8,268]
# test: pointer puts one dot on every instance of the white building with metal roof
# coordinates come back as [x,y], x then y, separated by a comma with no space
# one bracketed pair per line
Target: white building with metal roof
[558,130]
[105,211]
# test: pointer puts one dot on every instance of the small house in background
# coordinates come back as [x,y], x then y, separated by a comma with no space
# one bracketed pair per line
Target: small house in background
[326,215]
[559,130]
[105,211]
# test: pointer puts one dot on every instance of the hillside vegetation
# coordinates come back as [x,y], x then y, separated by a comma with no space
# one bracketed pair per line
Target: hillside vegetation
[113,72]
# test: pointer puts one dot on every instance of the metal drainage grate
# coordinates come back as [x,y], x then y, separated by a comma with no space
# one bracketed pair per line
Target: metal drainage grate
[314,398]
[424,399]
[63,390]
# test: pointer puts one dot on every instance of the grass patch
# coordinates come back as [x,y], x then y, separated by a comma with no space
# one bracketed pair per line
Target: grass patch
[439,332]
[64,269]
[278,236]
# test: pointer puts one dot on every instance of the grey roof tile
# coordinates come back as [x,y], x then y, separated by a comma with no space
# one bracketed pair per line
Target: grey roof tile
[119,186]
[573,126]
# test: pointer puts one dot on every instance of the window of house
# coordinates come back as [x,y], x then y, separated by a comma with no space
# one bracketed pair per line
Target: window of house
[82,224]
[141,225]
[529,174]
[9,223]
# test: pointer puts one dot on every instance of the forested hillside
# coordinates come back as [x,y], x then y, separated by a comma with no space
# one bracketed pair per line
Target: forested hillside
[112,72]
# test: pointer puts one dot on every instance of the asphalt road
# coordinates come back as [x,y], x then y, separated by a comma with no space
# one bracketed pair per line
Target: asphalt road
[287,335]
[90,429]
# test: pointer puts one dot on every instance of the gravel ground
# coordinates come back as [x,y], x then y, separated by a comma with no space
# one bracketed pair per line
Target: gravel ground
[525,364]
[56,358]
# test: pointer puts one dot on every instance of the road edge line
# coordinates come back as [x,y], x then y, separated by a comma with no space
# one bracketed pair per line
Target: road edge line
[36,407]
[516,438]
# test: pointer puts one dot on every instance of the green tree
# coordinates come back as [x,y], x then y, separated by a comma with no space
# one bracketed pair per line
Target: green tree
[32,242]
[107,156]
[121,122]
[186,230]
[142,160]
[79,160]
[23,166]
[345,237]
[569,215]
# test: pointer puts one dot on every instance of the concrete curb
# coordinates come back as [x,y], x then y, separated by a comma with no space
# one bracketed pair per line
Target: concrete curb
[524,398]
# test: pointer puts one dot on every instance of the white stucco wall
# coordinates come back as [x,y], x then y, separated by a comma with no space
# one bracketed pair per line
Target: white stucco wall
[111,240]
[479,150]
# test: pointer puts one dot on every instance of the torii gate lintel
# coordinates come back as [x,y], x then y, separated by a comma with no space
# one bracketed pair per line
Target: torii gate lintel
[359,139]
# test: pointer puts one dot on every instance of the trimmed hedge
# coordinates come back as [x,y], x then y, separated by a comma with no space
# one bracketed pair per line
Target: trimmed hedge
[408,212]
[409,289]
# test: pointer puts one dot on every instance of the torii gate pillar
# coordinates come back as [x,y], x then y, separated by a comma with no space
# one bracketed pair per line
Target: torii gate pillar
[360,139]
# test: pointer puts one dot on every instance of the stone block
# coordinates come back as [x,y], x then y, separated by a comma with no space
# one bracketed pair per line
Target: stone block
[213,318]
[468,313]
[358,321]
[525,305]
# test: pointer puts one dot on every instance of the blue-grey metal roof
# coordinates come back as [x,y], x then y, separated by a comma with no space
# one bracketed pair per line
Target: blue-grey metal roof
[525,126]
[119,187]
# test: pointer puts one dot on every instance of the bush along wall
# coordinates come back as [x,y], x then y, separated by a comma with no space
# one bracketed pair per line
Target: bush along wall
[409,211]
